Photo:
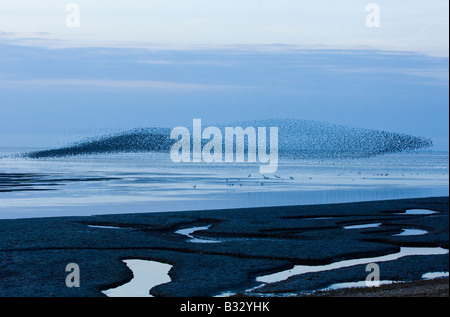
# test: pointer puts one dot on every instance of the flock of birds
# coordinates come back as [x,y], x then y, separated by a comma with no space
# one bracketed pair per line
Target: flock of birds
[237,181]
[296,138]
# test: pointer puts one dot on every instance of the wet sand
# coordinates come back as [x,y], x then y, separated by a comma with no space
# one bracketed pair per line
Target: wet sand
[253,242]
[427,288]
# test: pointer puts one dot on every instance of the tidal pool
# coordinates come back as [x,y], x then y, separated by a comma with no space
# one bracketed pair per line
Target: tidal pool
[303,269]
[364,226]
[412,232]
[188,233]
[418,212]
[146,275]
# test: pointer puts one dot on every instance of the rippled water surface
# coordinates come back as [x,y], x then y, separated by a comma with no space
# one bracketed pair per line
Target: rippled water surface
[151,182]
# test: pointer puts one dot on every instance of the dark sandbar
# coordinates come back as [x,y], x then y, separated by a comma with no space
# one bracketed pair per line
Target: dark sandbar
[254,242]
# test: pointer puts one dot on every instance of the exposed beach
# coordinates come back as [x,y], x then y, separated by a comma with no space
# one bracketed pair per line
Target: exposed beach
[426,288]
[247,244]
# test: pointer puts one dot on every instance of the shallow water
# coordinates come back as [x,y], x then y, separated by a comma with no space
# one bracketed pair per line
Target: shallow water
[412,232]
[151,182]
[359,284]
[419,212]
[433,275]
[303,269]
[146,275]
[104,227]
[188,233]
[364,226]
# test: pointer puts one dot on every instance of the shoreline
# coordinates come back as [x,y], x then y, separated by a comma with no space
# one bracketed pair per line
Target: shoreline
[438,287]
[252,242]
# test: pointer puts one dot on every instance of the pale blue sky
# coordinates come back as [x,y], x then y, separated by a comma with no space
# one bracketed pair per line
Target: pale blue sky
[406,25]
[163,63]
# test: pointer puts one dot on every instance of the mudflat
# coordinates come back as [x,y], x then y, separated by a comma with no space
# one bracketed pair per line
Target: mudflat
[245,245]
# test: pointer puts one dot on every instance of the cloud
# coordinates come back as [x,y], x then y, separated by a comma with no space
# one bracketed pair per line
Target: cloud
[33,39]
[440,74]
[406,25]
[141,85]
[16,35]
[188,63]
